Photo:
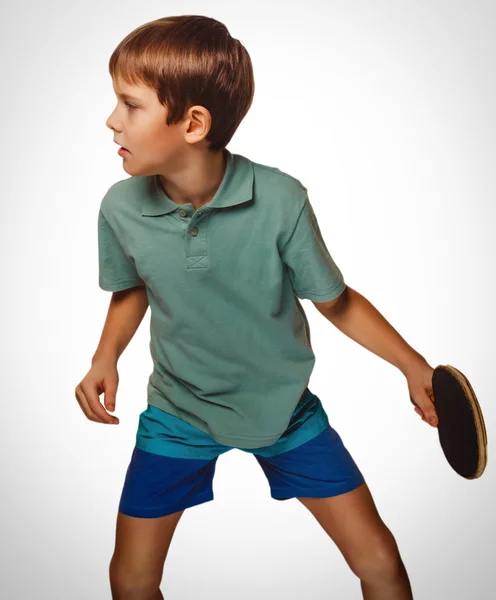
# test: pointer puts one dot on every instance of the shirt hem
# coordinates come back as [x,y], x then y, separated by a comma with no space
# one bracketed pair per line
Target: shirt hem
[242,442]
[297,439]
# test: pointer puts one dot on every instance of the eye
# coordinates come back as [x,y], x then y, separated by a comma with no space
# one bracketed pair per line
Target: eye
[130,106]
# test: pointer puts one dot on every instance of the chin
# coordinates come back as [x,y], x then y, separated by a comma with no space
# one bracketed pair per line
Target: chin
[129,169]
[136,170]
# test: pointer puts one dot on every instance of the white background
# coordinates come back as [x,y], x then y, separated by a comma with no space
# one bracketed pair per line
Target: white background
[385,111]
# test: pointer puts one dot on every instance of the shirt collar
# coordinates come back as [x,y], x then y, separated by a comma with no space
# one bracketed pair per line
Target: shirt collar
[236,187]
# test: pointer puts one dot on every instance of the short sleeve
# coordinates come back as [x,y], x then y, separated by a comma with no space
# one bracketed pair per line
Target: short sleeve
[314,274]
[116,270]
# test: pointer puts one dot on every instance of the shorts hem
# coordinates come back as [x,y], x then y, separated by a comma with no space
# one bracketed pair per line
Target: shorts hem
[162,511]
[281,494]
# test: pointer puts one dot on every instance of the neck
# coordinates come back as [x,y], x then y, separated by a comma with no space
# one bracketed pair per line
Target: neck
[197,180]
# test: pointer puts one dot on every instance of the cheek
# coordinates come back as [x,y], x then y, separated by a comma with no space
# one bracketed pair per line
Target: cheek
[165,151]
[152,142]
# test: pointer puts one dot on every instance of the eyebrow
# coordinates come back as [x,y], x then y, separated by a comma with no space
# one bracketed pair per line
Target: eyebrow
[128,97]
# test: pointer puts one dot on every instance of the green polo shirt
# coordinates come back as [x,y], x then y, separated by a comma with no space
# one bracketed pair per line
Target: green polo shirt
[229,338]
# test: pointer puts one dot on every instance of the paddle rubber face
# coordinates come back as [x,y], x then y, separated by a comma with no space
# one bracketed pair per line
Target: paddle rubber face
[461,428]
[457,427]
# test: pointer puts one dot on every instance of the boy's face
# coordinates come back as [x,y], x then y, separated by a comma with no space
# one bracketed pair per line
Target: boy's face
[138,123]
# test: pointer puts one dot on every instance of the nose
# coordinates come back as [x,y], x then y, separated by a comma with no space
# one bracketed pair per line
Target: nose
[110,121]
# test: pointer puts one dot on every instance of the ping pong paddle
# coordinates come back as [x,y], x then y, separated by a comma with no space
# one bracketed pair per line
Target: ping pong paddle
[461,427]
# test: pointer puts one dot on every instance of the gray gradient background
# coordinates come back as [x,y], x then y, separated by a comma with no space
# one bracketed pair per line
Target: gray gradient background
[385,111]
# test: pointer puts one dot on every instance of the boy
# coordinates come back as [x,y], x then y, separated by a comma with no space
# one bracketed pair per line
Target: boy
[222,248]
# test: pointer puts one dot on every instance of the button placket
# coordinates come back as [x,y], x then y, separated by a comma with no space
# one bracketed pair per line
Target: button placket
[183,217]
[196,242]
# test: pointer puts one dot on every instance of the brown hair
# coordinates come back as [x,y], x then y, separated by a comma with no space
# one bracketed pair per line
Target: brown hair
[188,60]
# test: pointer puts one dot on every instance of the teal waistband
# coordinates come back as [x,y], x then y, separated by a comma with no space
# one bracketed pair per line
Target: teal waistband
[162,433]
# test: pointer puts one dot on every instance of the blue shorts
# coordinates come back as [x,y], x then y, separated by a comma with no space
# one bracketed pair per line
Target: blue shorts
[173,463]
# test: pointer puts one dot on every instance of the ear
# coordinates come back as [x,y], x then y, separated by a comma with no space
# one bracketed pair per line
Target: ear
[200,122]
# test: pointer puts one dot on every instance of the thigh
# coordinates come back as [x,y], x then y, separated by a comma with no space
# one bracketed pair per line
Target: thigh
[156,491]
[141,546]
[324,477]
[318,468]
[353,522]
[157,485]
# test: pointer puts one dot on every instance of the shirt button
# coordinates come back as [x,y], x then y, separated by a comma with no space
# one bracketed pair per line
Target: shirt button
[182,212]
[194,231]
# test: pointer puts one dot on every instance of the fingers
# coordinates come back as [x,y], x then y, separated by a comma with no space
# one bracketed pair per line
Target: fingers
[421,414]
[89,401]
[109,397]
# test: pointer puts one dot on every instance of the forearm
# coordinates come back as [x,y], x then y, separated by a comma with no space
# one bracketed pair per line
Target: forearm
[125,313]
[362,322]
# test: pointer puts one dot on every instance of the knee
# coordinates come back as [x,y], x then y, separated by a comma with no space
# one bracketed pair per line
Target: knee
[132,583]
[379,563]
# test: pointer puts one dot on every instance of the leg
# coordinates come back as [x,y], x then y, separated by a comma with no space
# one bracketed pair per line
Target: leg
[157,489]
[368,546]
[141,548]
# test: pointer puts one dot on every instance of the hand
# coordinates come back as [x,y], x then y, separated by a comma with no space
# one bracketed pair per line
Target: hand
[419,379]
[102,377]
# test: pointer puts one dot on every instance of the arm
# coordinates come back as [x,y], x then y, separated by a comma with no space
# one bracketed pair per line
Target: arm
[117,274]
[315,276]
[126,311]
[357,318]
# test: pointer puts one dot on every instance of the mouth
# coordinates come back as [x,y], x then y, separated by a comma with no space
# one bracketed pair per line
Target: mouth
[122,147]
